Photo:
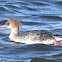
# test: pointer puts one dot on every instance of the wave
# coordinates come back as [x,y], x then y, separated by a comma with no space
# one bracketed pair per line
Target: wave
[3,9]
[51,17]
[42,60]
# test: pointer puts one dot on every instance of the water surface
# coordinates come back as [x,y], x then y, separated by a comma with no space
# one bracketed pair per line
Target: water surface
[34,15]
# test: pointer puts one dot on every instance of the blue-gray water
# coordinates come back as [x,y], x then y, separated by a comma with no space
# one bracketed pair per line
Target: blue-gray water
[34,15]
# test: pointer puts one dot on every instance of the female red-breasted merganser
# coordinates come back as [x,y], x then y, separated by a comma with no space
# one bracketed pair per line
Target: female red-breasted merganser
[31,37]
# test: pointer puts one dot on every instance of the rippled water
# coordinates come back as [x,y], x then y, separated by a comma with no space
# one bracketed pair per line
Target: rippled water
[34,15]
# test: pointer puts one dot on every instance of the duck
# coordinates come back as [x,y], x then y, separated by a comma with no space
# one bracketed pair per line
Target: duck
[31,37]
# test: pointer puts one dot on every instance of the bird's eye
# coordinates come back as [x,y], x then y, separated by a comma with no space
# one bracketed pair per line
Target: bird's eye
[7,24]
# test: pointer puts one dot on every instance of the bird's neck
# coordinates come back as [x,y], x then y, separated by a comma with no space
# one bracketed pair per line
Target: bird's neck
[15,31]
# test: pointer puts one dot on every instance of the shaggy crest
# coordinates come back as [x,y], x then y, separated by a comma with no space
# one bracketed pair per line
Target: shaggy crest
[13,22]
